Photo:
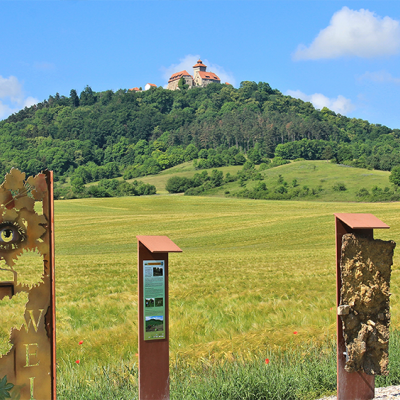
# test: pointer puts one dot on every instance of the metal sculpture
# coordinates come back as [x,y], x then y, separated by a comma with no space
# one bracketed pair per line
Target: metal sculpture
[27,370]
[362,296]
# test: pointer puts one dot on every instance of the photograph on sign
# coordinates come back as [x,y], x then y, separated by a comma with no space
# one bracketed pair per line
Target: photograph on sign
[154,299]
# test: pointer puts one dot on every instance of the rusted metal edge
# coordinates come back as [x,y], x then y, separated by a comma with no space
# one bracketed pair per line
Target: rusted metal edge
[361,221]
[159,244]
[51,265]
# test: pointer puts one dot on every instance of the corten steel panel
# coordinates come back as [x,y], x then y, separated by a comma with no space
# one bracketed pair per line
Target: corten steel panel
[355,385]
[159,244]
[153,354]
[49,262]
[361,221]
[30,365]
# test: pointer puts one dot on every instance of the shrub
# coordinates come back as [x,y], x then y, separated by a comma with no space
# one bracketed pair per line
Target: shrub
[339,187]
[363,192]
[177,184]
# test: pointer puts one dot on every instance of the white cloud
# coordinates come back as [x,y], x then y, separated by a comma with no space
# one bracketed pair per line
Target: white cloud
[380,77]
[187,63]
[12,97]
[10,87]
[354,33]
[340,104]
[6,110]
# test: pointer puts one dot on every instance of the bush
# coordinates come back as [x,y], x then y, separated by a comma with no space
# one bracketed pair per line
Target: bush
[363,192]
[177,184]
[339,187]
[263,166]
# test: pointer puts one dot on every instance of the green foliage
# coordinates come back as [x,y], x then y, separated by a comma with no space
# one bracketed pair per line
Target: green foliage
[339,187]
[5,388]
[200,182]
[151,131]
[178,184]
[303,373]
[395,175]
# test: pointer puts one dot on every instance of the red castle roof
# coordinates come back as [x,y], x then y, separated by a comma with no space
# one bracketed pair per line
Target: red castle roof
[209,76]
[178,75]
[199,64]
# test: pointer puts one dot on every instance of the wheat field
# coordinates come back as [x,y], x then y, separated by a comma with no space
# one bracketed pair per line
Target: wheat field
[251,274]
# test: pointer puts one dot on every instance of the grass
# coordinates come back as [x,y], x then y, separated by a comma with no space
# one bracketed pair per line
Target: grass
[313,174]
[251,273]
[306,372]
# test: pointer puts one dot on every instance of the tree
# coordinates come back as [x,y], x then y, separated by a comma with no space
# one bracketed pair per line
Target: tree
[177,184]
[395,175]
[87,97]
[182,84]
[74,98]
[216,178]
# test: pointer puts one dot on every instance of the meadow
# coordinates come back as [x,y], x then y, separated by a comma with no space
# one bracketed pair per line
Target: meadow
[321,176]
[255,278]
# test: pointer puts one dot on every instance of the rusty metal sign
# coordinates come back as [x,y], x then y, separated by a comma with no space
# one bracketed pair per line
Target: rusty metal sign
[153,338]
[27,356]
[355,377]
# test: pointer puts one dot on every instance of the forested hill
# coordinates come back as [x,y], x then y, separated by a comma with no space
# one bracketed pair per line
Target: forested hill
[106,134]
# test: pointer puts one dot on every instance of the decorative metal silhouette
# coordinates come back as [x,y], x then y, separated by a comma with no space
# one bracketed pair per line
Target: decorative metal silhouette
[27,370]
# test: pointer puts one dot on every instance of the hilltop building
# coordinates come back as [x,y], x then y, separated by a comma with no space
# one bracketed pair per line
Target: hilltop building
[200,78]
[149,86]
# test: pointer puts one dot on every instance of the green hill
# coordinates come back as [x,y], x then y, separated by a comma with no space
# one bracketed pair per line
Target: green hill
[129,135]
[107,135]
[325,181]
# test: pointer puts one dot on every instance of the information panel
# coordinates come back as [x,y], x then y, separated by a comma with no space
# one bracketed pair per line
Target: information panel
[154,299]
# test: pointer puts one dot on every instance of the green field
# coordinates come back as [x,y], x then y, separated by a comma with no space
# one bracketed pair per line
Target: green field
[252,273]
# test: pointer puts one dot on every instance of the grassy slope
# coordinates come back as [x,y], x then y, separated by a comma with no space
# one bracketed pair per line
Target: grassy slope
[307,173]
[252,272]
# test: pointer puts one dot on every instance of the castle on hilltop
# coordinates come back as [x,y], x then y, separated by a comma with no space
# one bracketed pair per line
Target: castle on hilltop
[200,78]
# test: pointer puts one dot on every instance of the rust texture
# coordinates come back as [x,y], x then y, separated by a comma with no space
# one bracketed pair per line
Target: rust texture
[26,225]
[365,268]
[153,355]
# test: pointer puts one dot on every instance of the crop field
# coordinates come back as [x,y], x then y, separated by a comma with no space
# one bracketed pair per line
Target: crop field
[254,277]
[251,272]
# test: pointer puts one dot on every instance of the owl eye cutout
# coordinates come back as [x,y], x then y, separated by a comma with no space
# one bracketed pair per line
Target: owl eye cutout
[11,236]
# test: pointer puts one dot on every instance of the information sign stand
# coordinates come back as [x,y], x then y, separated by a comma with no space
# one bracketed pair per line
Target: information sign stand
[153,314]
[354,385]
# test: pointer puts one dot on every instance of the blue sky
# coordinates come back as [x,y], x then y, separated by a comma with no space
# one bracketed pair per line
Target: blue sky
[341,54]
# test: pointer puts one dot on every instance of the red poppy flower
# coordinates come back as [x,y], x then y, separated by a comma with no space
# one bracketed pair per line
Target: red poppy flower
[77,361]
[267,361]
[80,342]
[295,333]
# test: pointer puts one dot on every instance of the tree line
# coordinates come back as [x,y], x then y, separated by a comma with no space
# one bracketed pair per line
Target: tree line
[103,135]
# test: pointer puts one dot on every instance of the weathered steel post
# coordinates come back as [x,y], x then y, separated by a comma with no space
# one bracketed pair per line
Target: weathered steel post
[354,385]
[29,367]
[153,316]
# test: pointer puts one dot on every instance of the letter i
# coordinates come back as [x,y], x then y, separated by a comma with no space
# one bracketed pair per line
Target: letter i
[31,380]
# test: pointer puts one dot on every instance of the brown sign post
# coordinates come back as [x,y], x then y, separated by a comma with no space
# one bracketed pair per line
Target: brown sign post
[354,385]
[28,369]
[153,315]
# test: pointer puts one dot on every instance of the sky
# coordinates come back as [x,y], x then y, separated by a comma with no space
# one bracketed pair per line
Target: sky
[344,55]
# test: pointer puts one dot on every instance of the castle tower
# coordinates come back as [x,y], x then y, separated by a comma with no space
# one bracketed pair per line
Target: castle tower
[201,77]
[199,67]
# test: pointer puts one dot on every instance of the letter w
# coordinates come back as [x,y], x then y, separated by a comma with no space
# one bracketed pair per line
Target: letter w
[31,320]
